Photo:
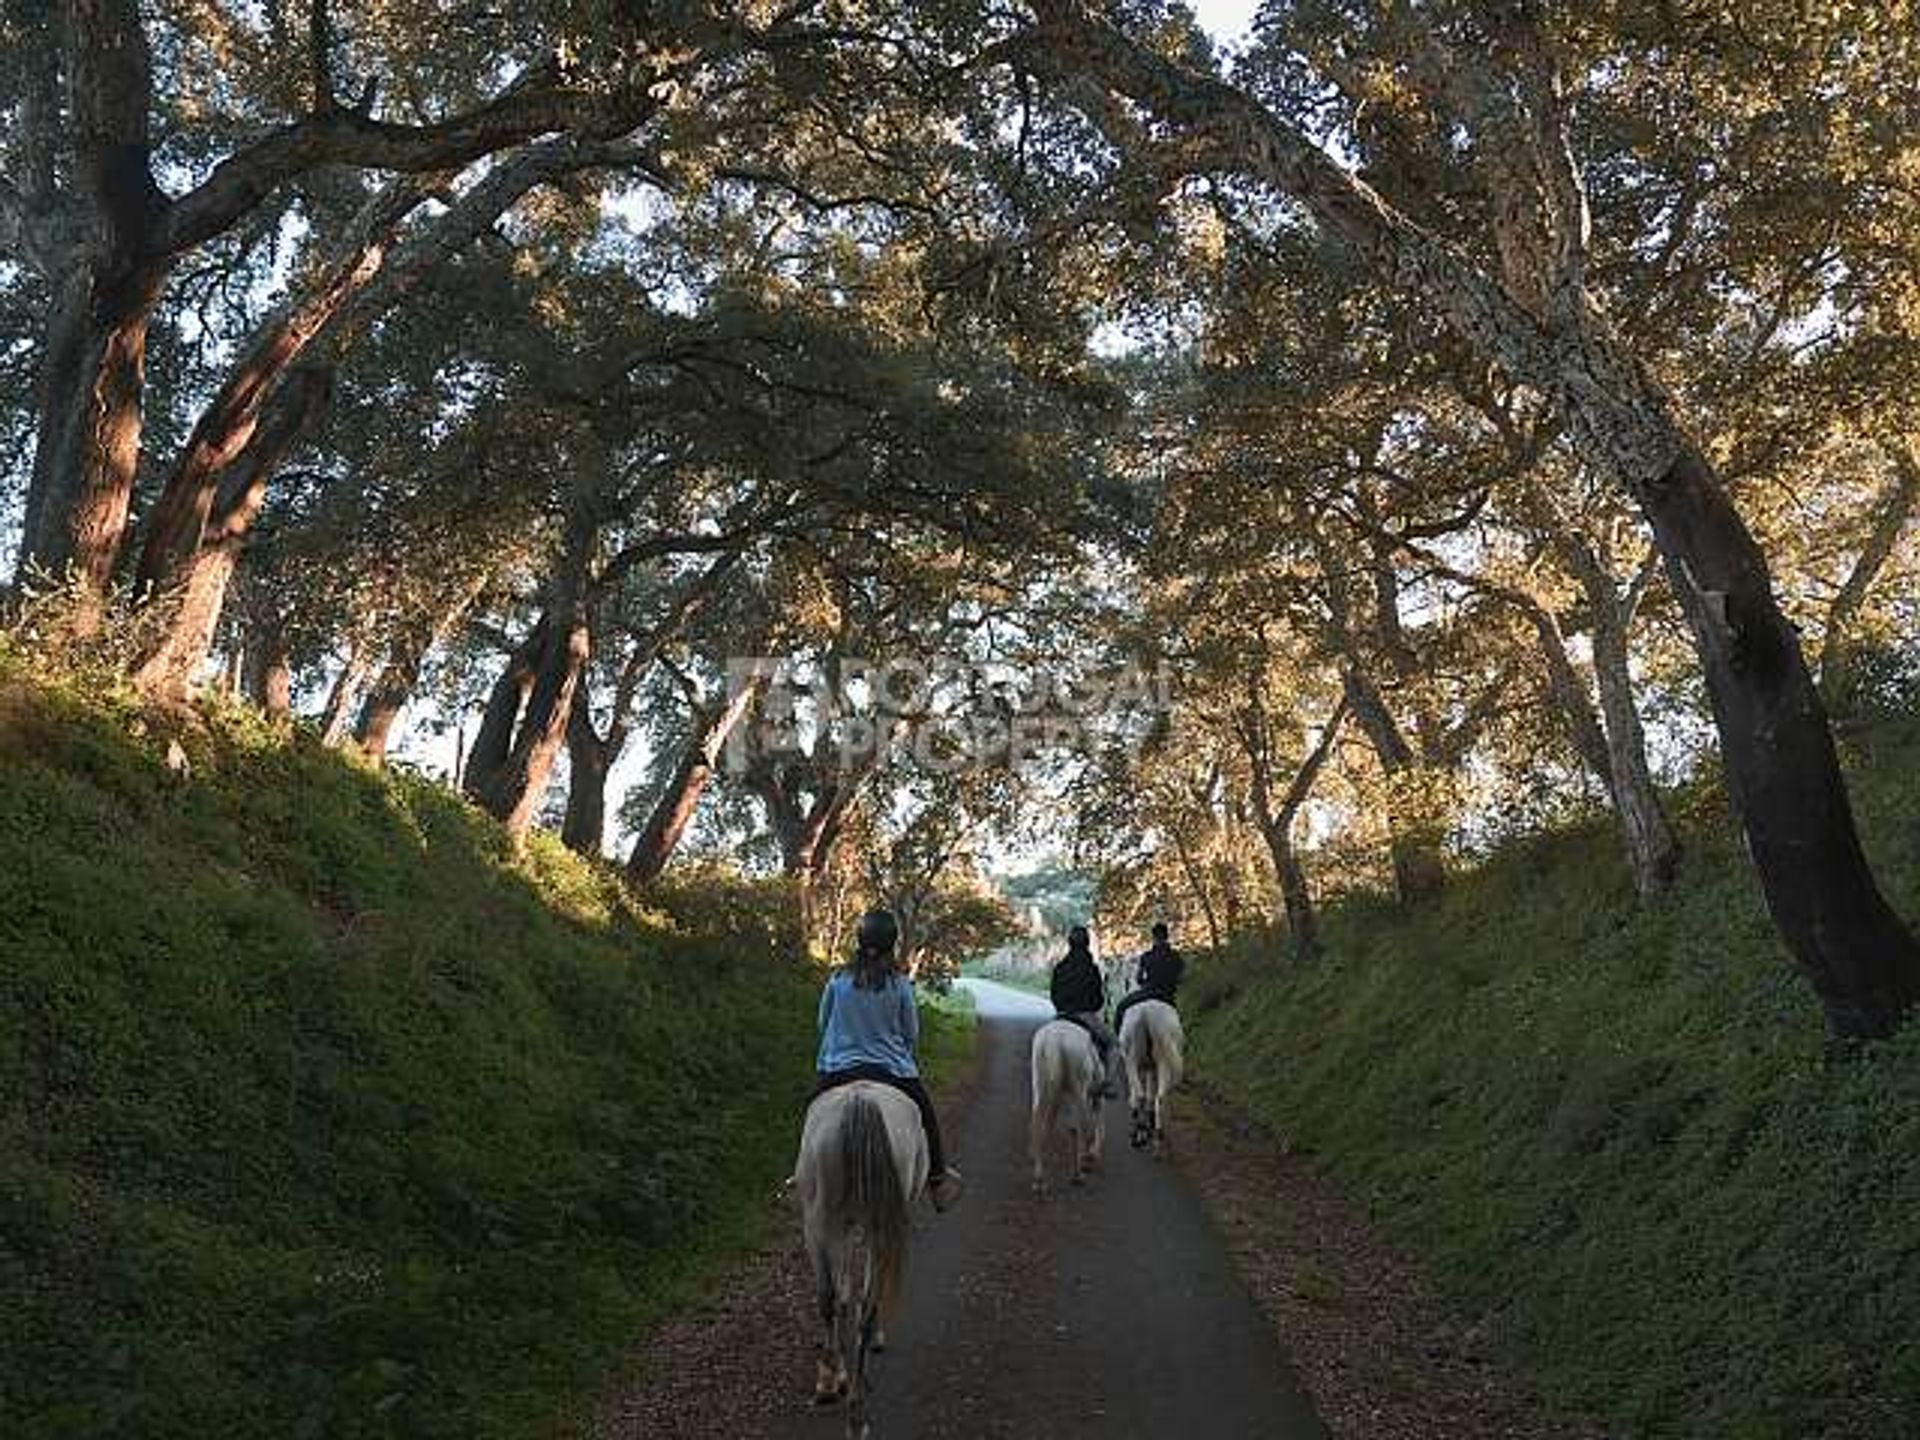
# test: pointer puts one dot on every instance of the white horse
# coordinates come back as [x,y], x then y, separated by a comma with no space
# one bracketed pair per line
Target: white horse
[863,1159]
[1153,1045]
[1067,1077]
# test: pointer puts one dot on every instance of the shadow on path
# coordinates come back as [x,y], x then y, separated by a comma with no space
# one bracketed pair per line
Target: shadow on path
[1110,1310]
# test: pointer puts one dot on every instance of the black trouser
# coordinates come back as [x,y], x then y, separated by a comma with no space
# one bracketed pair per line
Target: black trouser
[1143,993]
[907,1085]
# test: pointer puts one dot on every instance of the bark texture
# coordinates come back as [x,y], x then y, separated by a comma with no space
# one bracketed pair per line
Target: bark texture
[189,612]
[675,809]
[1276,815]
[1781,767]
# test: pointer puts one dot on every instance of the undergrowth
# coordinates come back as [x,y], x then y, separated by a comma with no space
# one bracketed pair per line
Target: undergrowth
[325,1113]
[1611,1126]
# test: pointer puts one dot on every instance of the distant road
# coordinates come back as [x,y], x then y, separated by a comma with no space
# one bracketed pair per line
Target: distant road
[994,1001]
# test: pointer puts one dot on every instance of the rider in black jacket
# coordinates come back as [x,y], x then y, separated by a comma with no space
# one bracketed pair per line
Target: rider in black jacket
[1158,975]
[1079,993]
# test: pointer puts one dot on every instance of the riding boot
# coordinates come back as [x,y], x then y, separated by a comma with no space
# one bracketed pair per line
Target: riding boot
[946,1188]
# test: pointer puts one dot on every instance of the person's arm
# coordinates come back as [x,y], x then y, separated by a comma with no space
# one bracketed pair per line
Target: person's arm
[826,1006]
[909,1015]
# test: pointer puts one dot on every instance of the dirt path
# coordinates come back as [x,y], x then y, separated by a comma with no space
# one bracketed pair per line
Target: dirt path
[1109,1311]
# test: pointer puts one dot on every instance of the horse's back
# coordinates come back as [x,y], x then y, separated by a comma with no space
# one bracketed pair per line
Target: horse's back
[1152,1031]
[1060,1047]
[832,1110]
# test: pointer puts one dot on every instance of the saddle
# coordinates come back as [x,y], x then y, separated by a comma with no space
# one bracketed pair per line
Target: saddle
[1099,1044]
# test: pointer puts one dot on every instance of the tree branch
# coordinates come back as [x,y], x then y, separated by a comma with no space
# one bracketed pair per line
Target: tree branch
[1309,770]
[320,56]
[529,108]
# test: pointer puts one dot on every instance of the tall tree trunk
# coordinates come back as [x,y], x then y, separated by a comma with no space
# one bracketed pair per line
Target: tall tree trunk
[512,781]
[1653,847]
[589,760]
[104,291]
[591,756]
[1197,884]
[1274,816]
[493,741]
[226,426]
[674,810]
[1414,833]
[1781,766]
[807,830]
[1616,750]
[386,698]
[1296,896]
[514,789]
[400,676]
[88,446]
[1570,694]
[190,613]
[336,720]
[268,672]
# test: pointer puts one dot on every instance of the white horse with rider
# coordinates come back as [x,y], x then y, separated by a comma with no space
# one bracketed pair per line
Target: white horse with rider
[863,1158]
[1068,1079]
[1153,1046]
[870,1146]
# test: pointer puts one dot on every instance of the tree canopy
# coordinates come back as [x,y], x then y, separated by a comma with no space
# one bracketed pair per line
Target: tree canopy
[871,443]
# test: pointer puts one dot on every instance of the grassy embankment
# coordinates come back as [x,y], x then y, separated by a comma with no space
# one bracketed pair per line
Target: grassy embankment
[323,1114]
[1611,1125]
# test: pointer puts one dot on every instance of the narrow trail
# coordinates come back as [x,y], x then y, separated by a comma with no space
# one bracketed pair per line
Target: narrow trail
[1110,1310]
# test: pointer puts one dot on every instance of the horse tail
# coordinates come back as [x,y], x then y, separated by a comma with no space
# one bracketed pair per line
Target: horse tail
[876,1203]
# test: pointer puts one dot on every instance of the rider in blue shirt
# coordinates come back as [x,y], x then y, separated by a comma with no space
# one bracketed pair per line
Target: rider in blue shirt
[869,1028]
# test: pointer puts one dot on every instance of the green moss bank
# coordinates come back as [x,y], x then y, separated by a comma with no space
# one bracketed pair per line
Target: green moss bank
[1611,1124]
[324,1114]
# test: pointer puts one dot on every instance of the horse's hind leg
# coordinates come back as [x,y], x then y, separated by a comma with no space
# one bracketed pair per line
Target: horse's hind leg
[860,1382]
[1080,1130]
[1037,1126]
[829,1378]
[1143,1109]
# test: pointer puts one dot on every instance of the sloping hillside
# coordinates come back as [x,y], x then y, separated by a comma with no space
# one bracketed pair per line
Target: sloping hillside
[322,1114]
[1613,1127]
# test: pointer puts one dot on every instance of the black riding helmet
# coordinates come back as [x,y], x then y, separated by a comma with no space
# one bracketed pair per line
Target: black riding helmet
[879,931]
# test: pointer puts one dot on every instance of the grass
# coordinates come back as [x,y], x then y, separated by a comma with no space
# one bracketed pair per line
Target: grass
[1612,1124]
[326,1114]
